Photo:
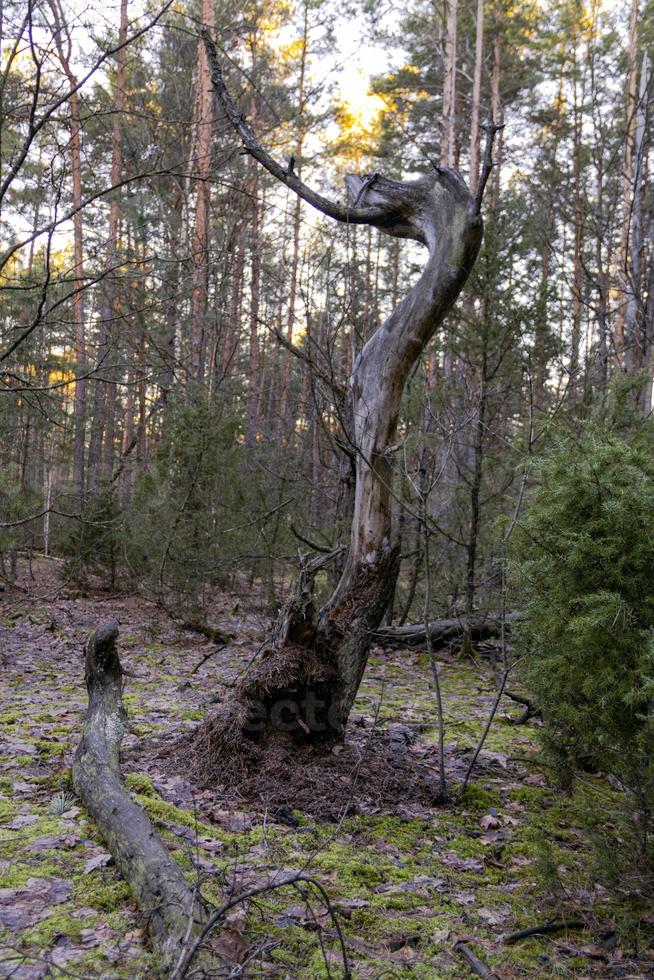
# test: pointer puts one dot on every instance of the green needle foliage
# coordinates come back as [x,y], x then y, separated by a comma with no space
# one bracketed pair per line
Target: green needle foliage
[584,557]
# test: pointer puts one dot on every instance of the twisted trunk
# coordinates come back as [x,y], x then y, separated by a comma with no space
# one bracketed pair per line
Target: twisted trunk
[306,679]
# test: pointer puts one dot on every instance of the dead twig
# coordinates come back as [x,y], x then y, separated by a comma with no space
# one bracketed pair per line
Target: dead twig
[295,879]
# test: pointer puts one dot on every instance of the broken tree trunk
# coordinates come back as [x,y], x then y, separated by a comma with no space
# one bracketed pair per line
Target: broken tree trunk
[442,631]
[173,912]
[306,679]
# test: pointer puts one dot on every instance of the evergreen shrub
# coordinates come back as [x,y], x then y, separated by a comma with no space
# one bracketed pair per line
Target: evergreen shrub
[583,556]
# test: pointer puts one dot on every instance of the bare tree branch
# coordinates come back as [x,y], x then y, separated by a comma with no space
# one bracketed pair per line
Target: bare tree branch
[491,130]
[377,216]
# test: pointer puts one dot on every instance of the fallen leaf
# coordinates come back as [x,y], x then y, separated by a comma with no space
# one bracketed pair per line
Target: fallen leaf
[453,860]
[494,917]
[22,820]
[231,945]
[23,907]
[465,898]
[99,861]
[594,952]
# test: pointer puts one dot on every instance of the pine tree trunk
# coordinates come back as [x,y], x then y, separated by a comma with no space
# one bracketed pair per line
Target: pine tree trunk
[255,295]
[635,339]
[64,49]
[476,98]
[101,445]
[200,244]
[448,139]
[577,272]
[627,184]
[295,255]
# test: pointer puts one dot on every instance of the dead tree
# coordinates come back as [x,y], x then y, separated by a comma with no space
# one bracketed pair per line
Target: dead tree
[306,679]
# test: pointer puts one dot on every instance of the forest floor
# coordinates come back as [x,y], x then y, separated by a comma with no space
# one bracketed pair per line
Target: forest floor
[406,879]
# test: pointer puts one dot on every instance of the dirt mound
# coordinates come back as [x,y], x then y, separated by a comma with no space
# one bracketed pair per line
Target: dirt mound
[374,771]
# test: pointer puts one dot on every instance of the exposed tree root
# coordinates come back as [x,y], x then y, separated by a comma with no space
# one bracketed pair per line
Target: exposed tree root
[304,681]
[444,630]
[174,914]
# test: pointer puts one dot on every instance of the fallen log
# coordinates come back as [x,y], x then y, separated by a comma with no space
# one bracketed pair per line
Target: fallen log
[442,631]
[174,913]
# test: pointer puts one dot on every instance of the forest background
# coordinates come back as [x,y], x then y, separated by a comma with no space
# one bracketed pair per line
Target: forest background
[177,331]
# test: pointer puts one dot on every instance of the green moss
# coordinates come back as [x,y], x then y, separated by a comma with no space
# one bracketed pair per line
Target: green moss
[8,810]
[6,784]
[479,799]
[357,872]
[17,875]
[118,919]
[102,890]
[136,783]
[192,715]
[60,923]
[404,834]
[61,730]
[533,797]
[158,809]
[50,749]
[11,717]
[145,728]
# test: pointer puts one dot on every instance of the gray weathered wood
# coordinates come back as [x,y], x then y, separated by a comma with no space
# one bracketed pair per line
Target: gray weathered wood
[171,910]
[438,211]
[441,631]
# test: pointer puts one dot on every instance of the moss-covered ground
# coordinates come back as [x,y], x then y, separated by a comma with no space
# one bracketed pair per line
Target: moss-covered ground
[404,884]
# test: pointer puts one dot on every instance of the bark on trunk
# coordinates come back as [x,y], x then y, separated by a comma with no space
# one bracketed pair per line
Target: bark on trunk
[204,126]
[627,184]
[64,49]
[172,912]
[577,270]
[635,338]
[448,138]
[100,460]
[305,682]
[476,97]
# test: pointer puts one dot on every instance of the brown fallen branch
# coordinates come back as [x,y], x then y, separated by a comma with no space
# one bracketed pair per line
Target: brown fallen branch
[441,631]
[544,930]
[531,709]
[174,913]
[476,965]
[210,632]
